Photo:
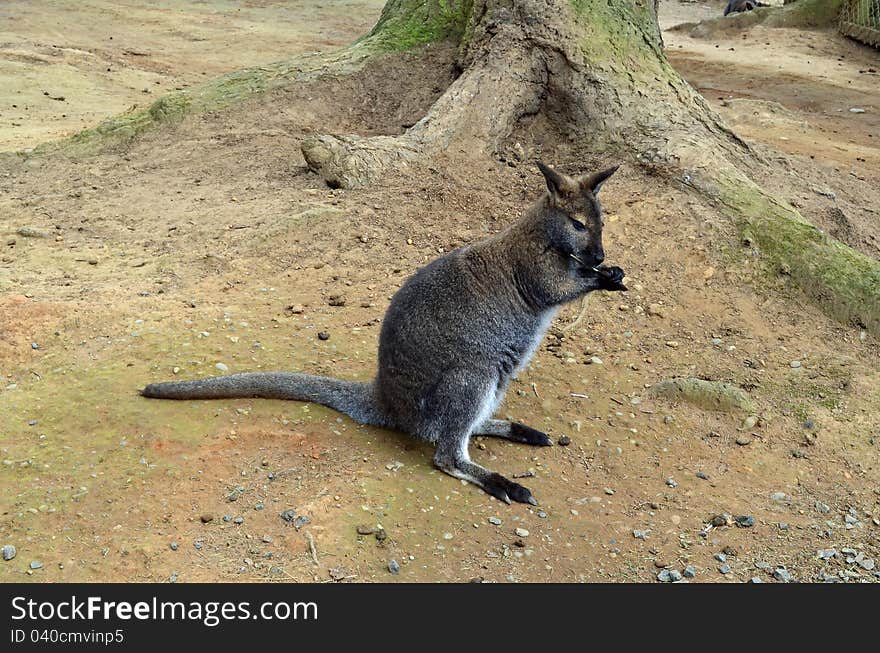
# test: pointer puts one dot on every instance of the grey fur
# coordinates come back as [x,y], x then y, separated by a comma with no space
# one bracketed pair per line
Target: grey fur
[456,333]
[737,6]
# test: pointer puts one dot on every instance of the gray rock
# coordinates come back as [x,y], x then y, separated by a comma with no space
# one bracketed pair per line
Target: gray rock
[703,475]
[174,546]
[778,496]
[495,521]
[823,508]
[669,576]
[564,441]
[199,544]
[393,567]
[227,518]
[542,514]
[755,579]
[725,569]
[238,520]
[640,535]
[745,521]
[690,572]
[782,574]
[720,557]
[782,526]
[826,554]
[36,564]
[288,515]
[671,482]
[301,521]
[8,552]
[521,532]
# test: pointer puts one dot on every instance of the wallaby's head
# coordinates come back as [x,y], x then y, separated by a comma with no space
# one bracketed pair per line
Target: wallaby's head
[572,221]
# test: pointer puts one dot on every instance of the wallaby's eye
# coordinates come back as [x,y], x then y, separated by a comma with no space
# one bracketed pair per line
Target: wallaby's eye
[578,225]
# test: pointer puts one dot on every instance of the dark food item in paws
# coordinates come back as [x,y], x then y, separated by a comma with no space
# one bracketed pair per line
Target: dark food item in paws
[610,278]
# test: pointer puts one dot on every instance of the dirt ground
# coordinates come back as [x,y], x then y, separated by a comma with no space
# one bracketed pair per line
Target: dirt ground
[210,244]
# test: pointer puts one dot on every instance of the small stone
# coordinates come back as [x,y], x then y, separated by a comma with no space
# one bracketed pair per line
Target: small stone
[300,521]
[36,564]
[690,571]
[199,544]
[174,546]
[366,530]
[856,110]
[782,574]
[227,518]
[393,567]
[718,521]
[336,300]
[640,535]
[749,423]
[238,520]
[725,569]
[35,345]
[778,496]
[447,536]
[672,344]
[206,518]
[8,552]
[323,335]
[826,554]
[288,515]
[745,521]
[222,367]
[259,506]
[381,535]
[521,532]
[782,526]
[296,309]
[671,482]
[720,557]
[495,521]
[267,539]
[669,576]
[794,364]
[609,491]
[595,360]
[755,579]
[564,441]
[703,475]
[823,508]
[656,310]
[744,440]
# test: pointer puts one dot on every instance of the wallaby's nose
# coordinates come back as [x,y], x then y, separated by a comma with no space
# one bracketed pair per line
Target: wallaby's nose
[599,256]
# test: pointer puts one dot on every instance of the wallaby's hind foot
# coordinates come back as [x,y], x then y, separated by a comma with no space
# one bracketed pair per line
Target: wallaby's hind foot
[492,482]
[513,431]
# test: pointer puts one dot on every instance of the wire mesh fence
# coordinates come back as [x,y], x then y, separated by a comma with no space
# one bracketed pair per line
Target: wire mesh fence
[860,19]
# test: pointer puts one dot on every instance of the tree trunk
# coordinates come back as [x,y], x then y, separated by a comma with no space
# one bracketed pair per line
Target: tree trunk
[594,71]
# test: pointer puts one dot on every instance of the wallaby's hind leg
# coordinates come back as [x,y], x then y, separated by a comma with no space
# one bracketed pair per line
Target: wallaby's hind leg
[513,431]
[458,403]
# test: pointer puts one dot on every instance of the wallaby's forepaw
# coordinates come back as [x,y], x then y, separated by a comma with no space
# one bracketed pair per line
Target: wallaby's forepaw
[501,488]
[528,435]
[611,278]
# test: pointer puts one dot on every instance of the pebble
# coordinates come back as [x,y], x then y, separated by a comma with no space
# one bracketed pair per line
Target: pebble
[521,532]
[238,520]
[782,526]
[381,535]
[542,515]
[671,482]
[782,574]
[301,521]
[703,475]
[8,552]
[207,518]
[755,579]
[794,364]
[720,557]
[495,520]
[826,554]
[743,440]
[35,345]
[823,507]
[640,535]
[174,546]
[393,567]
[366,530]
[609,491]
[227,518]
[778,496]
[669,576]
[595,360]
[223,367]
[288,515]
[745,521]
[718,521]
[447,536]
[323,335]
[749,422]
[690,571]
[564,441]
[725,569]
[36,564]
[267,539]
[199,544]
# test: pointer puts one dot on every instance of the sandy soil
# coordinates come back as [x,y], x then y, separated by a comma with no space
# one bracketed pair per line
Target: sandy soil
[211,243]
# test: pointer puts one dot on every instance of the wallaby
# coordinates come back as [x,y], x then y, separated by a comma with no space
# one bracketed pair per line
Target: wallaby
[457,331]
[736,6]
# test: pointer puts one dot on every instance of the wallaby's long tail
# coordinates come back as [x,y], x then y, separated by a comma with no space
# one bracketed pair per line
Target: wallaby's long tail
[355,399]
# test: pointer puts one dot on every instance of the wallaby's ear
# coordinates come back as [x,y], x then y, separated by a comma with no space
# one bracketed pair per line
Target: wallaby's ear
[554,180]
[594,181]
